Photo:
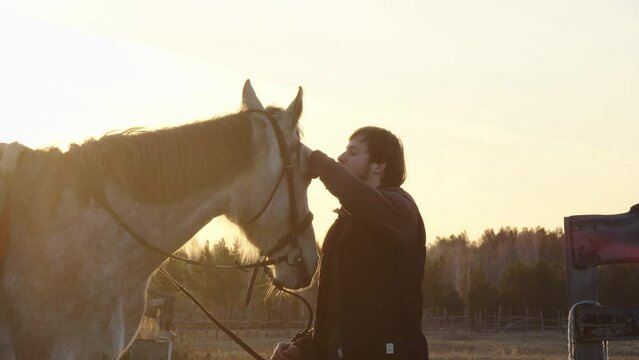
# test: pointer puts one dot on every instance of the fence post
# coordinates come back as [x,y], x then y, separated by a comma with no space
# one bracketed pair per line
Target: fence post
[559,319]
[497,322]
[510,315]
[445,318]
[476,321]
[541,319]
[582,286]
[467,317]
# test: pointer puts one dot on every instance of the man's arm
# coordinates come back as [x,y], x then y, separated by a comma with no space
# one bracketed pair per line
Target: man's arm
[393,210]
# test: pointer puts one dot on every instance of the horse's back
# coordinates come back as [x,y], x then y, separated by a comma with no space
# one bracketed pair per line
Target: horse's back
[49,306]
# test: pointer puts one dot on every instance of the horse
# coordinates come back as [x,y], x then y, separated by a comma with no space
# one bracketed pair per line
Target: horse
[74,275]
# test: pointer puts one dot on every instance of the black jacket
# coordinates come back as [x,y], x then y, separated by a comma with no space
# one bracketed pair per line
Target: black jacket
[369,303]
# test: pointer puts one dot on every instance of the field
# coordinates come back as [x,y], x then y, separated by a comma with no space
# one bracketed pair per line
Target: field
[460,345]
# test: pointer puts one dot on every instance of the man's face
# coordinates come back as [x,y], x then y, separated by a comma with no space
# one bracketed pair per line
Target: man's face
[356,158]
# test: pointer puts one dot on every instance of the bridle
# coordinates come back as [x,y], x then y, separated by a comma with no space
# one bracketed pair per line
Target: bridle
[296,228]
[294,257]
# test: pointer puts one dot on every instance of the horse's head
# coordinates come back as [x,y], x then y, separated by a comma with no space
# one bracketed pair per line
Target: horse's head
[273,207]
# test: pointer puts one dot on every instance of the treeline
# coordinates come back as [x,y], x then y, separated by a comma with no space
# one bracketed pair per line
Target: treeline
[518,270]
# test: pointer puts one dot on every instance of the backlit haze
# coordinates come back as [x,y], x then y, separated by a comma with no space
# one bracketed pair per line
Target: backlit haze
[512,113]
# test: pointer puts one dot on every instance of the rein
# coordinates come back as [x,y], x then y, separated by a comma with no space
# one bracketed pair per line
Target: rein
[289,239]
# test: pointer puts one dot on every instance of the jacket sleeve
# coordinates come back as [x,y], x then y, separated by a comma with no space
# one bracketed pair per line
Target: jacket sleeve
[390,208]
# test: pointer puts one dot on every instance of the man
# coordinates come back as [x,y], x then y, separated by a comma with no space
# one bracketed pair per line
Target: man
[369,302]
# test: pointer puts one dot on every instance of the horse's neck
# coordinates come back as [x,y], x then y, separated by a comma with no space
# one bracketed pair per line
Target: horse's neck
[167,226]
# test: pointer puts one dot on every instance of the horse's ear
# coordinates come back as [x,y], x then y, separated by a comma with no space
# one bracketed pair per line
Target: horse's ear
[294,111]
[249,99]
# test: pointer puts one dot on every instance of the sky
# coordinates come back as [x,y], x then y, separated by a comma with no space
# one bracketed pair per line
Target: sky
[512,113]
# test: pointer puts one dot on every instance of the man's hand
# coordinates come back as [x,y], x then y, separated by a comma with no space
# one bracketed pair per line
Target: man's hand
[285,351]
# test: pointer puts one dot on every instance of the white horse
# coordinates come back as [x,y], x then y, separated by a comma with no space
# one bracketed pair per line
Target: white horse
[73,281]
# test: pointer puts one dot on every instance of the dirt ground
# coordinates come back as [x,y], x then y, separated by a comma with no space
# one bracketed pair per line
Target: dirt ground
[546,345]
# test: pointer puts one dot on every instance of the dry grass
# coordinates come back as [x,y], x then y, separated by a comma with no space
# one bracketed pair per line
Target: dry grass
[547,345]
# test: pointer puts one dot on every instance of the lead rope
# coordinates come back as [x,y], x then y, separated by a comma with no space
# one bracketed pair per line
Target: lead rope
[210,316]
[571,330]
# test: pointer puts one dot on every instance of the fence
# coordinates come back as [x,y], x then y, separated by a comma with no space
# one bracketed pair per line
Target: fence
[197,336]
[495,322]
[480,321]
[194,329]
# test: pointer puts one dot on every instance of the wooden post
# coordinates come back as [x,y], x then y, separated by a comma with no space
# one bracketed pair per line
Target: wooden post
[497,322]
[445,318]
[510,316]
[541,319]
[467,317]
[559,319]
[527,322]
[582,286]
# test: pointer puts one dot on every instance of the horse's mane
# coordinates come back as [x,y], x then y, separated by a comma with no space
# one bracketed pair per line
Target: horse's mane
[153,166]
